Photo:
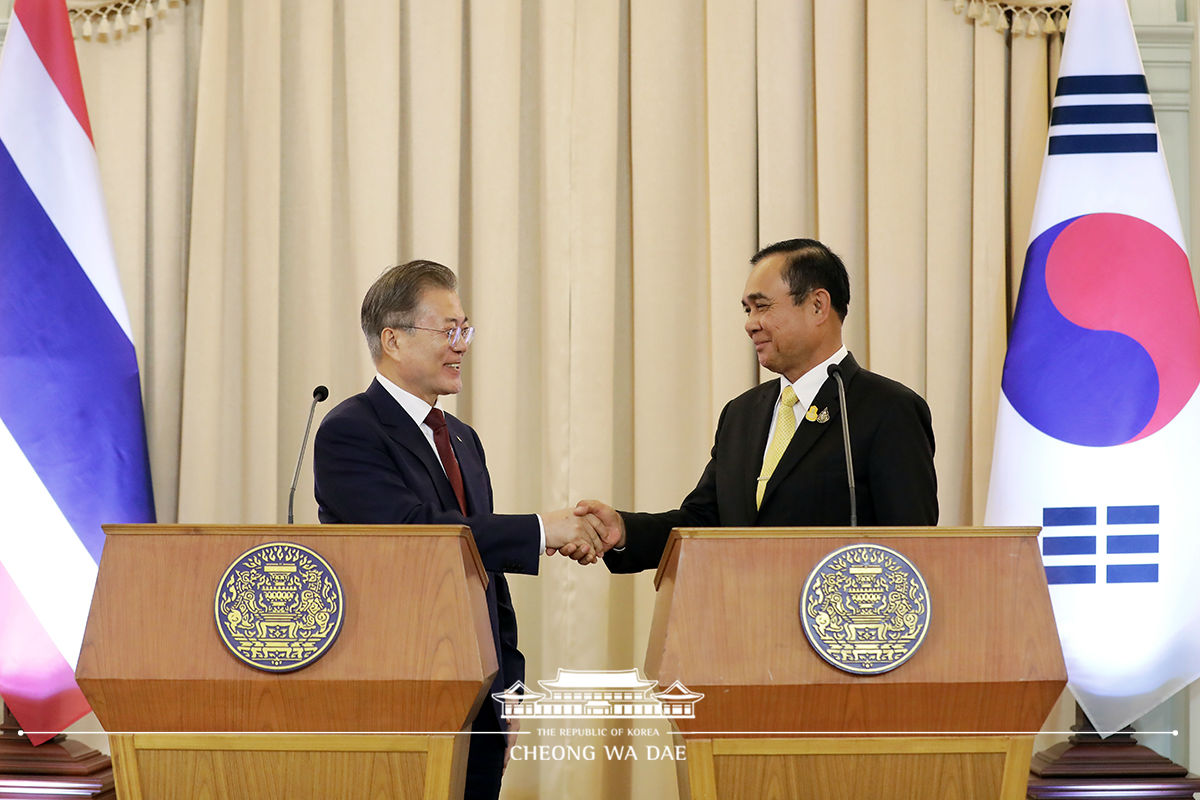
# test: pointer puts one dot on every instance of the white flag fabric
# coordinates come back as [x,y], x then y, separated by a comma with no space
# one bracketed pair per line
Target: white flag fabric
[1098,431]
[72,437]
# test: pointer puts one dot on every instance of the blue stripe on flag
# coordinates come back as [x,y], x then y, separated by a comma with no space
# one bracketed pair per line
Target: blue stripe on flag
[1068,545]
[69,388]
[1078,515]
[1091,115]
[1102,84]
[1141,543]
[1133,515]
[1103,143]
[1078,574]
[1133,573]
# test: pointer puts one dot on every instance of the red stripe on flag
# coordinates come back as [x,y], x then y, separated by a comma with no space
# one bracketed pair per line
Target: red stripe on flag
[49,31]
[36,682]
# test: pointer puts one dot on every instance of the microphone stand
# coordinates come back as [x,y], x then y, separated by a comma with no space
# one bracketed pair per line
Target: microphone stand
[319,395]
[835,371]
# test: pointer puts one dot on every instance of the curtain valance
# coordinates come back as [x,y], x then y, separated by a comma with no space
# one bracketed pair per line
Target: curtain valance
[103,20]
[1029,18]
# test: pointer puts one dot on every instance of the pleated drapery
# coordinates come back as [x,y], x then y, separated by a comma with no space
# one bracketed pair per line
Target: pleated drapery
[598,173]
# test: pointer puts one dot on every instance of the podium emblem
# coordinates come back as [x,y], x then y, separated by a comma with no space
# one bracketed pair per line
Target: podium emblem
[279,607]
[865,609]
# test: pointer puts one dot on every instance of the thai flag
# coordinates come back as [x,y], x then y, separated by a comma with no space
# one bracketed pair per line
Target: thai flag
[72,437]
[1098,432]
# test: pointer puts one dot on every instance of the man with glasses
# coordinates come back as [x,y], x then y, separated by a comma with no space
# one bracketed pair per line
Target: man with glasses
[390,456]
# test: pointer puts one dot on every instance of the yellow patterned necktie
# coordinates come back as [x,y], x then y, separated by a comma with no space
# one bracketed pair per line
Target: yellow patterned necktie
[785,426]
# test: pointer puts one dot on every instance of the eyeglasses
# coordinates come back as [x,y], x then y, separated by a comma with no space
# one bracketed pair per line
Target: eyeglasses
[453,335]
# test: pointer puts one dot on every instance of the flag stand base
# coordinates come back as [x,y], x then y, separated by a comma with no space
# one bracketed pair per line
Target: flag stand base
[1088,766]
[57,768]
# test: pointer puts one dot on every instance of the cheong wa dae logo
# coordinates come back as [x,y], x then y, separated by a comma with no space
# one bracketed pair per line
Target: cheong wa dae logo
[598,694]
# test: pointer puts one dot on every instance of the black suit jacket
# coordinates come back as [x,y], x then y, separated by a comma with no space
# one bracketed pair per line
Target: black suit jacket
[374,466]
[891,438]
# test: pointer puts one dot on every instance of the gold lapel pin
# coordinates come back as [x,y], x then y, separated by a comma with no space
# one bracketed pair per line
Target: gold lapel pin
[811,414]
[823,417]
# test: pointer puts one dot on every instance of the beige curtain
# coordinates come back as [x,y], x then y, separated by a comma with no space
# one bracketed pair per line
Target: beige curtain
[599,173]
[141,93]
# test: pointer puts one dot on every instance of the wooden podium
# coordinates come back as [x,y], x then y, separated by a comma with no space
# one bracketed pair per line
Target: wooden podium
[374,717]
[955,721]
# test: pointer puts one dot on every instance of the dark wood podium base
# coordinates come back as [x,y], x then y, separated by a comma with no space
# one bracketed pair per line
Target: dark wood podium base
[1087,766]
[59,768]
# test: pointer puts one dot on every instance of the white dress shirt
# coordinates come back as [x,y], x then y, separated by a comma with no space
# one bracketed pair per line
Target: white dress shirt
[806,388]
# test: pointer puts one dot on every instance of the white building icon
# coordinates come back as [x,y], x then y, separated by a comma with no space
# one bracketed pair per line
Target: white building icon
[603,694]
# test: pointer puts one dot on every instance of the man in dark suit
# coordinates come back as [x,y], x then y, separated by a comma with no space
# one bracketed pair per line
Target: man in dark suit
[778,458]
[390,456]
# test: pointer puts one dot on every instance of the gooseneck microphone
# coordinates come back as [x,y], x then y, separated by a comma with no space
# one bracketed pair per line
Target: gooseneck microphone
[835,372]
[319,395]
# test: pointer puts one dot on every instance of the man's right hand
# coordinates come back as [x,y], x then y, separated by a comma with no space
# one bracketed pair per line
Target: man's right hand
[608,524]
[571,534]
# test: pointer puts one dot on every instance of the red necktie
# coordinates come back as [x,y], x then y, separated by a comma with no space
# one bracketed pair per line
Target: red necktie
[441,439]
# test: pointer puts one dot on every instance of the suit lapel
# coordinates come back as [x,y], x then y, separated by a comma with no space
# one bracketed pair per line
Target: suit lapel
[470,465]
[809,431]
[762,407]
[406,433]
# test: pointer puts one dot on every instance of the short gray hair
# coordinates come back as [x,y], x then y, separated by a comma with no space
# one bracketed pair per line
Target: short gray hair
[392,300]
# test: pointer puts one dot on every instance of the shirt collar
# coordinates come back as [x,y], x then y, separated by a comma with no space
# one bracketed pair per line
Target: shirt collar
[808,384]
[414,406]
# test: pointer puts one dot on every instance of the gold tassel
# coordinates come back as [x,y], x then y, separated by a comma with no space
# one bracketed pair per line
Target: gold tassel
[1034,27]
[974,11]
[1048,25]
[1062,21]
[1018,23]
[117,18]
[959,5]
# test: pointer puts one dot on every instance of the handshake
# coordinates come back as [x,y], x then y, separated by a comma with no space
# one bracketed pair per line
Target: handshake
[584,533]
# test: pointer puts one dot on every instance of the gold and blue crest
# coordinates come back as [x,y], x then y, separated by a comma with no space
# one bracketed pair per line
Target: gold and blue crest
[279,607]
[865,609]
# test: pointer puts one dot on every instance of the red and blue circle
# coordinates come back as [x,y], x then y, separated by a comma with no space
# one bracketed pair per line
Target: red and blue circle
[1105,345]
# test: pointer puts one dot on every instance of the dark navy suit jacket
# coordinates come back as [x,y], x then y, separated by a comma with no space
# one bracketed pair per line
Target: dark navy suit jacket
[374,466]
[891,438]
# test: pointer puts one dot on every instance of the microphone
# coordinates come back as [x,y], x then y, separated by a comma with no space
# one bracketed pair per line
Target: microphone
[835,372]
[319,395]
